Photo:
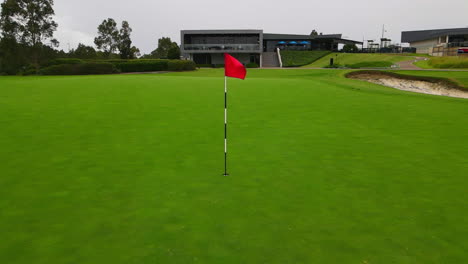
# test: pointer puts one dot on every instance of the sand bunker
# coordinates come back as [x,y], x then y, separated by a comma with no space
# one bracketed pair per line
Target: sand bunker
[410,83]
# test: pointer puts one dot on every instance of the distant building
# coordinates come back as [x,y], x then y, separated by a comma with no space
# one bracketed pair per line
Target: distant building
[250,46]
[437,42]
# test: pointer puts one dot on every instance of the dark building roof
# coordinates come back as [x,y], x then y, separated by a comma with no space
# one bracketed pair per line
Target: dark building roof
[273,36]
[222,31]
[420,35]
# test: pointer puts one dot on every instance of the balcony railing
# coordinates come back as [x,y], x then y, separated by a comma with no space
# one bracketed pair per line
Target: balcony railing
[214,47]
[458,44]
[453,44]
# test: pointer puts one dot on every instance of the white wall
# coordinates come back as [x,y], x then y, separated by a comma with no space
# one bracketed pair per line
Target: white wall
[425,46]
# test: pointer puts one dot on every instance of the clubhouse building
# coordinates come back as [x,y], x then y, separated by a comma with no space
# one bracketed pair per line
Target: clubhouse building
[251,46]
[438,42]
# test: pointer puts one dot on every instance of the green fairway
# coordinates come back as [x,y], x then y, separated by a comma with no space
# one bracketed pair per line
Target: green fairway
[127,169]
[369,59]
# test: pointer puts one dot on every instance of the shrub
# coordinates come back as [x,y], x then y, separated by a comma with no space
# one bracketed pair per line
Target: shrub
[181,65]
[80,69]
[31,69]
[62,61]
[252,65]
[77,66]
[140,65]
[350,48]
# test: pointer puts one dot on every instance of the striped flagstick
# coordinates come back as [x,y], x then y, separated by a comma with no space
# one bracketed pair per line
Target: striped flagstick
[225,126]
[232,68]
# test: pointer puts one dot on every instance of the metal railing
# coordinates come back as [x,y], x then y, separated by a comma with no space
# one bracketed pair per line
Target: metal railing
[457,44]
[238,47]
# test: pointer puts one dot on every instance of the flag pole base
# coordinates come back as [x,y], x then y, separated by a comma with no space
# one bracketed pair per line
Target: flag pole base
[225,174]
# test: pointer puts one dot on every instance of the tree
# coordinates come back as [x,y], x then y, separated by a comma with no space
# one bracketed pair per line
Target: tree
[134,52]
[108,37]
[174,52]
[350,48]
[164,45]
[29,23]
[13,56]
[314,33]
[83,52]
[125,43]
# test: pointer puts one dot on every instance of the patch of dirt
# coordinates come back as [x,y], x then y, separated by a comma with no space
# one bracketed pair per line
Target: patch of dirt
[425,85]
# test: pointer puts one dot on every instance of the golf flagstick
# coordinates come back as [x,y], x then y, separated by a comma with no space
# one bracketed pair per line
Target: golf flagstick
[232,68]
[225,126]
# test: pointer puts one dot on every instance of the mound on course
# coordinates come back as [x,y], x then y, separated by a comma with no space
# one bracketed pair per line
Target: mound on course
[359,60]
[324,169]
[444,63]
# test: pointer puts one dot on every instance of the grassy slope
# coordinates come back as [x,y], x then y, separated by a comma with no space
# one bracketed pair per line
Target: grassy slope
[300,58]
[127,169]
[423,64]
[444,63]
[354,58]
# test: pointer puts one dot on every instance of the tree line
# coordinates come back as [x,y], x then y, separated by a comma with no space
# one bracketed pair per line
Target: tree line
[27,39]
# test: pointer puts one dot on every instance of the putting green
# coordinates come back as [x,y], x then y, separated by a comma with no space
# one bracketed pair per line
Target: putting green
[127,169]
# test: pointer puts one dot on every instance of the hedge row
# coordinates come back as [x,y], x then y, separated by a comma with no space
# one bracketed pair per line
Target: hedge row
[153,65]
[181,65]
[79,67]
[63,61]
[140,65]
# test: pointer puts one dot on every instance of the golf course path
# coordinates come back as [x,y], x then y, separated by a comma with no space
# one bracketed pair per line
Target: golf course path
[409,65]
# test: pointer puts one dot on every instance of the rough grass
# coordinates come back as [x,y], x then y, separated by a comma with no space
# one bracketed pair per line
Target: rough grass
[444,63]
[300,58]
[368,60]
[324,169]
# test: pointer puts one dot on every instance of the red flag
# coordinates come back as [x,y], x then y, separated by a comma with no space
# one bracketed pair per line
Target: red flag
[233,68]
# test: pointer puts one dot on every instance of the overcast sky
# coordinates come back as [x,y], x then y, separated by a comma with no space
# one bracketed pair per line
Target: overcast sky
[355,19]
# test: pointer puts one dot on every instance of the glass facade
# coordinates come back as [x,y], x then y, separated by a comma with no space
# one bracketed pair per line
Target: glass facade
[222,42]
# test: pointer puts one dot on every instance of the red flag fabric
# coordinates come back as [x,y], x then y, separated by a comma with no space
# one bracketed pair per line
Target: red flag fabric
[233,68]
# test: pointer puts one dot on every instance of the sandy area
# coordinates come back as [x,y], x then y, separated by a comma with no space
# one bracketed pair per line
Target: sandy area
[414,85]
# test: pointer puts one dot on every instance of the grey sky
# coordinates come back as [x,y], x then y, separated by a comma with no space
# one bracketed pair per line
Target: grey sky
[152,19]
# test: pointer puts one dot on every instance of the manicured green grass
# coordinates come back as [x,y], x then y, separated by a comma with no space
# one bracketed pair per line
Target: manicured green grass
[370,60]
[127,169]
[444,63]
[300,58]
